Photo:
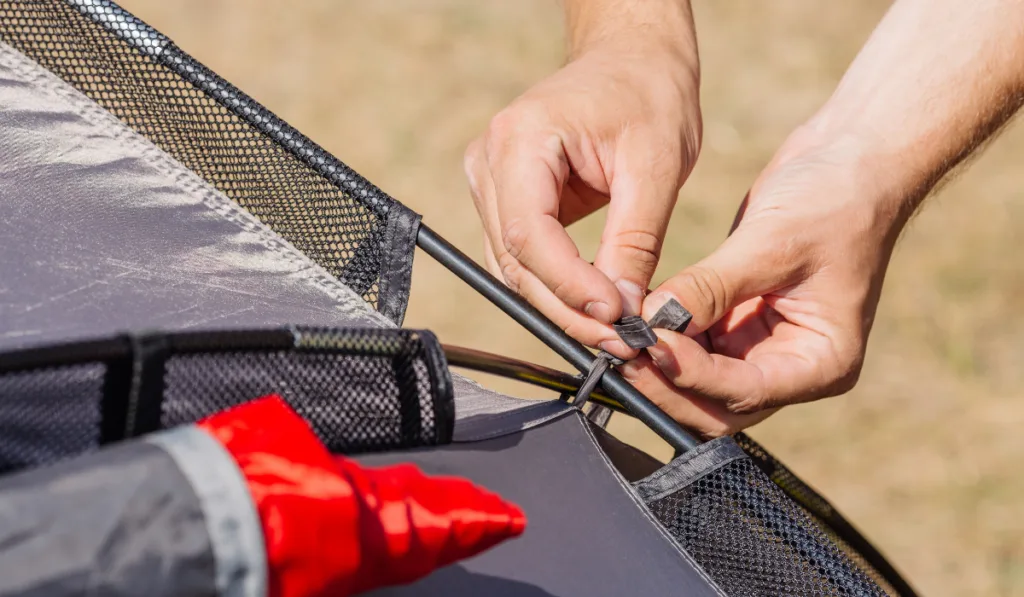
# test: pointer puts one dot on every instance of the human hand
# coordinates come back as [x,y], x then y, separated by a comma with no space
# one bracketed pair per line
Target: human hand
[620,126]
[783,308]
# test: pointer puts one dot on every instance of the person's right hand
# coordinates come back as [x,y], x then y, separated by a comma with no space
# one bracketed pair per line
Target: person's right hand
[619,125]
[783,308]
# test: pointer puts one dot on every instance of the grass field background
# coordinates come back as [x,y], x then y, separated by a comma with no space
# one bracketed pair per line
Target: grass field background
[924,455]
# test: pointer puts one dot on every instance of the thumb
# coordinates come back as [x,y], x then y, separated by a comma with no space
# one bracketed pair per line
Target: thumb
[644,191]
[744,267]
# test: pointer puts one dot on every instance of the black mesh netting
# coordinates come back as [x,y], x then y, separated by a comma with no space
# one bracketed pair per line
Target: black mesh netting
[300,191]
[750,537]
[49,413]
[367,379]
[361,390]
[828,519]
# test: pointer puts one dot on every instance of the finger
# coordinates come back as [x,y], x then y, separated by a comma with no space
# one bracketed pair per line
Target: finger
[697,413]
[777,375]
[529,173]
[745,266]
[490,261]
[644,191]
[482,190]
[584,329]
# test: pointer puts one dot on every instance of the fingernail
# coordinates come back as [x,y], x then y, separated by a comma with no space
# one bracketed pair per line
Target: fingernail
[657,300]
[632,297]
[599,311]
[617,348]
[659,354]
[629,371]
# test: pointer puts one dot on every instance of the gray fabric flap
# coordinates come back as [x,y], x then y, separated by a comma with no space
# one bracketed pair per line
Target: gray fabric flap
[689,467]
[120,522]
[586,535]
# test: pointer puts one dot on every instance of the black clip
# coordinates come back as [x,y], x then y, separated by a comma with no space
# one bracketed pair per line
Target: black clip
[637,334]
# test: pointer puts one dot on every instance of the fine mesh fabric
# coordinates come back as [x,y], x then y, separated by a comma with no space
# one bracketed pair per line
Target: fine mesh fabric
[360,389]
[747,534]
[365,371]
[828,519]
[64,408]
[341,221]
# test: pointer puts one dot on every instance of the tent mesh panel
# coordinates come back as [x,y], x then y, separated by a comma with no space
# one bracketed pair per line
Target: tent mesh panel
[828,519]
[755,541]
[361,390]
[49,413]
[338,219]
[314,384]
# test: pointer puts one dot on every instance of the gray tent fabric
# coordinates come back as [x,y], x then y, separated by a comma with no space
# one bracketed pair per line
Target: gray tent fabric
[587,532]
[103,232]
[131,520]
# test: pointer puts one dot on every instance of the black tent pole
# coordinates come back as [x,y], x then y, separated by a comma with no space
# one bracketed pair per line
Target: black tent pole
[543,328]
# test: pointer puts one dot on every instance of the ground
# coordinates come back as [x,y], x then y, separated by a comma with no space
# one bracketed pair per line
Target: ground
[923,455]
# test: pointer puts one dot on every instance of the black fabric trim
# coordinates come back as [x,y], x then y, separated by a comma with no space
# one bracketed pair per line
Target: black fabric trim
[688,468]
[72,353]
[145,402]
[231,340]
[123,24]
[396,277]
[444,390]
[117,388]
[635,332]
[671,316]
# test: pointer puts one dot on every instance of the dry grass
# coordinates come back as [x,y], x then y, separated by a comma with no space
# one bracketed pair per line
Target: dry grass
[924,455]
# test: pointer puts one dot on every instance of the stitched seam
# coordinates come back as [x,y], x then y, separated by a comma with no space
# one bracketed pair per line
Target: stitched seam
[667,492]
[107,125]
[646,511]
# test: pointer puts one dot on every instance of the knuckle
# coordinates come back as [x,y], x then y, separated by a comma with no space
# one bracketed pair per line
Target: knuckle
[561,289]
[511,271]
[644,247]
[747,405]
[848,374]
[505,126]
[514,235]
[708,290]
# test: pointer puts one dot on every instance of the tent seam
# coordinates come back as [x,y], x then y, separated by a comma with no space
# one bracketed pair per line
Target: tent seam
[628,488]
[213,199]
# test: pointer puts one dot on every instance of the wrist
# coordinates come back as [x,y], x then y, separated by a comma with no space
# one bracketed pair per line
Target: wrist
[863,164]
[660,30]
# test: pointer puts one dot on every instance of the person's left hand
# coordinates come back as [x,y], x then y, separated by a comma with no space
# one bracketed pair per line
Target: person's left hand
[782,310]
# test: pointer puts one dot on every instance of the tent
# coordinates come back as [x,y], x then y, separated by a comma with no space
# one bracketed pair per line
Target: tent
[171,249]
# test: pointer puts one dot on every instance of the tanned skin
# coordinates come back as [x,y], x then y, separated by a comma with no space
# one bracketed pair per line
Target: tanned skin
[783,308]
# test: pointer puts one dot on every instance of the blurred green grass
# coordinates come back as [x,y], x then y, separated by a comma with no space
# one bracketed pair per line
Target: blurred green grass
[924,455]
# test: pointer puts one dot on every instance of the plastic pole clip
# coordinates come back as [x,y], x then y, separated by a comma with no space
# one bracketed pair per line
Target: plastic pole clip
[637,334]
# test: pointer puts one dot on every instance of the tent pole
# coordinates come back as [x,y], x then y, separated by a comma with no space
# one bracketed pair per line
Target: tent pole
[615,386]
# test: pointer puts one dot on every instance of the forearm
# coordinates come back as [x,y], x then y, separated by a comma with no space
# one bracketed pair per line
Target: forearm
[666,25]
[936,79]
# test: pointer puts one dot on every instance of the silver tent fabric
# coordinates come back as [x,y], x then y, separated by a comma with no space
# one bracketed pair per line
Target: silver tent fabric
[166,516]
[102,232]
